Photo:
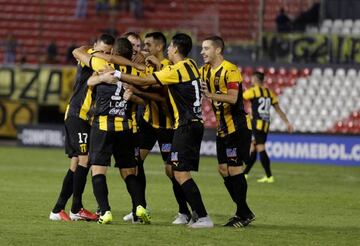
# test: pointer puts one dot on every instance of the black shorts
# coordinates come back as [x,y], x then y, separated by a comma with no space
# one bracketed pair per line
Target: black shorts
[185,150]
[260,136]
[104,144]
[149,135]
[234,148]
[77,133]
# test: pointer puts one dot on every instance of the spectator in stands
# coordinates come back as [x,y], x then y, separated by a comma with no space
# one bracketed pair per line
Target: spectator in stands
[10,45]
[136,7]
[81,6]
[52,51]
[69,56]
[283,22]
[309,17]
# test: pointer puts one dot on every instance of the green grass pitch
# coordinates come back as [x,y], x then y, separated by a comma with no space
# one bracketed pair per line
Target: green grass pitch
[308,205]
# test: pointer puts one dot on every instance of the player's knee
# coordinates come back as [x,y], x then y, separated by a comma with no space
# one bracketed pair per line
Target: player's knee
[223,170]
[260,147]
[83,160]
[124,172]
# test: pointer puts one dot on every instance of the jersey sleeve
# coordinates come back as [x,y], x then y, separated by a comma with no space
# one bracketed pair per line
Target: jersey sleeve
[97,64]
[274,98]
[233,75]
[248,94]
[167,76]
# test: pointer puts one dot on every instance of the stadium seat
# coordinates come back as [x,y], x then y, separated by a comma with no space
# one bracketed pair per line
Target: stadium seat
[316,72]
[324,30]
[327,23]
[340,72]
[328,72]
[356,23]
[348,23]
[338,23]
[345,31]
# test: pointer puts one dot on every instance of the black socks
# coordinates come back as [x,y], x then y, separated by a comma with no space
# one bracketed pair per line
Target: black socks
[101,192]
[193,197]
[66,192]
[239,185]
[250,162]
[180,197]
[134,188]
[141,177]
[80,176]
[265,161]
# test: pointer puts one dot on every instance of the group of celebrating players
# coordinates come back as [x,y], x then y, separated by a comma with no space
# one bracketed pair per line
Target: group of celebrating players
[125,99]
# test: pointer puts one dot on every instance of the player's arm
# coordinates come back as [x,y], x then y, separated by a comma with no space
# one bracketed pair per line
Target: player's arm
[81,55]
[138,100]
[146,94]
[230,97]
[120,60]
[107,77]
[282,115]
[135,80]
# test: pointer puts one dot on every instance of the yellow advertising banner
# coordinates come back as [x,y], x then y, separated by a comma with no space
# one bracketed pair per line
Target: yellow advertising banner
[14,113]
[43,84]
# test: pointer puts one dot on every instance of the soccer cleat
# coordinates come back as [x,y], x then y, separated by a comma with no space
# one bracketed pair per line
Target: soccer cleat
[83,214]
[129,217]
[237,222]
[250,218]
[62,215]
[106,218]
[266,180]
[203,222]
[181,219]
[193,219]
[143,215]
[246,176]
[98,211]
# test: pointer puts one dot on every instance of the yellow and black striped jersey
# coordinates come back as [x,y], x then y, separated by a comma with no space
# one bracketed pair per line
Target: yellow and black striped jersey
[156,114]
[81,99]
[229,117]
[183,81]
[111,111]
[261,99]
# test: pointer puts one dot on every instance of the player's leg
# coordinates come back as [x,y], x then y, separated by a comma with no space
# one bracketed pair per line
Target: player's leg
[124,160]
[58,212]
[165,137]
[231,169]
[264,159]
[252,159]
[184,158]
[77,211]
[101,145]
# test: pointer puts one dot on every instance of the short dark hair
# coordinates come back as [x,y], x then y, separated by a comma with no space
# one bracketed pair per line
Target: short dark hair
[217,41]
[128,34]
[107,39]
[123,47]
[259,75]
[183,43]
[159,36]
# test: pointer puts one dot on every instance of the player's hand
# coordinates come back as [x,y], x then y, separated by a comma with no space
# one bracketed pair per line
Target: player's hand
[204,89]
[140,67]
[138,58]
[127,94]
[128,86]
[108,77]
[290,127]
[152,60]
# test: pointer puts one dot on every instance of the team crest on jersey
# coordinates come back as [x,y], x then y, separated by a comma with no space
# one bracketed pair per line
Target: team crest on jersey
[216,80]
[83,148]
[231,152]
[166,147]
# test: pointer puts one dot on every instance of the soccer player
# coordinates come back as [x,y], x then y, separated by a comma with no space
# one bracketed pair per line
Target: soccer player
[135,40]
[157,124]
[183,81]
[262,99]
[77,129]
[221,82]
[111,135]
